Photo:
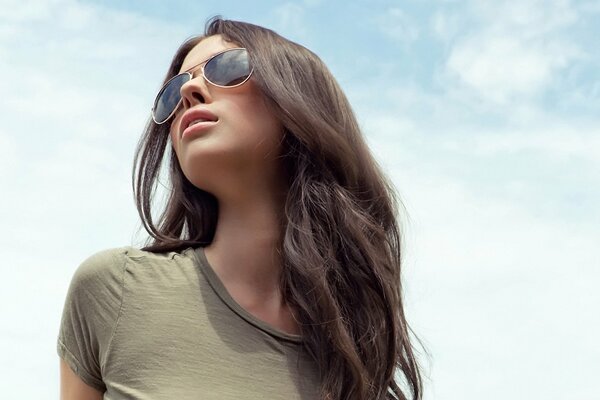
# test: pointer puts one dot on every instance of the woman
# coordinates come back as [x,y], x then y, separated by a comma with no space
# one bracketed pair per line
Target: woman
[274,270]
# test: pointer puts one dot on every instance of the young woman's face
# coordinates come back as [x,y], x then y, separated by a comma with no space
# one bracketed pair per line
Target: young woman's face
[240,150]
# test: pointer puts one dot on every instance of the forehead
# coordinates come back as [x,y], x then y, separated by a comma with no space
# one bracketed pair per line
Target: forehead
[206,48]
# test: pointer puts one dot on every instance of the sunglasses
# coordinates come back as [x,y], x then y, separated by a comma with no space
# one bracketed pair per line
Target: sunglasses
[227,69]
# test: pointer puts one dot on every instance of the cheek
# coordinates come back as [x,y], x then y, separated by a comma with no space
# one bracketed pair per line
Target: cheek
[257,121]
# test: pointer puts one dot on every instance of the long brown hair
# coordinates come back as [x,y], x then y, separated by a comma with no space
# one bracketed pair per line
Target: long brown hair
[341,247]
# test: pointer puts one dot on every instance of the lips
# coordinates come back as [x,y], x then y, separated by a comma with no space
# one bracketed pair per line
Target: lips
[195,115]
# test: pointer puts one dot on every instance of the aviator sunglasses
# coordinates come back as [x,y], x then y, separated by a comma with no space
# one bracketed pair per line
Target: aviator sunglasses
[226,69]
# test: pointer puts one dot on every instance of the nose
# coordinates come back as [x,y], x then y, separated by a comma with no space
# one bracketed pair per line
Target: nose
[194,91]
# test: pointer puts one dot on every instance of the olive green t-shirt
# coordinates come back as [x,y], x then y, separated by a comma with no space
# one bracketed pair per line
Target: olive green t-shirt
[151,326]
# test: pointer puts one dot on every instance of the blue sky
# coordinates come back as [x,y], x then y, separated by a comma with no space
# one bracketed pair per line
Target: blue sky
[485,114]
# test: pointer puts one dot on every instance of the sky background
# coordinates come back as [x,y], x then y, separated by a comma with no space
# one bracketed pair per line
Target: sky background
[485,114]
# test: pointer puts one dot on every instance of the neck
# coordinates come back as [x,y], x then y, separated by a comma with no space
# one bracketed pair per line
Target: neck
[244,252]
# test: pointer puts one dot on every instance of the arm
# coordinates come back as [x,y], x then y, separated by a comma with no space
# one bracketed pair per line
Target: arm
[73,388]
[89,316]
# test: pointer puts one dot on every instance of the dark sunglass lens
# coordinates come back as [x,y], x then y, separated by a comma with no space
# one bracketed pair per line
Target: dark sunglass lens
[229,68]
[169,97]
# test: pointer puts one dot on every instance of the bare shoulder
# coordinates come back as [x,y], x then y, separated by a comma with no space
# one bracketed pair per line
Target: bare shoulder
[73,388]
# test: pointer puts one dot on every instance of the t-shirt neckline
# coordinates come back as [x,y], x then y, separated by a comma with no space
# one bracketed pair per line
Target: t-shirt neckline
[220,289]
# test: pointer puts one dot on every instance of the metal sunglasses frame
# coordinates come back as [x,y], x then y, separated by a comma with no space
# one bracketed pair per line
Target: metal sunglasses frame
[190,73]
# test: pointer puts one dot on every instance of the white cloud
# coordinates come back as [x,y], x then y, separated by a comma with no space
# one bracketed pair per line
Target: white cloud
[530,18]
[491,274]
[514,50]
[29,11]
[77,89]
[501,190]
[8,155]
[589,6]
[290,17]
[445,25]
[398,25]
[560,143]
[500,68]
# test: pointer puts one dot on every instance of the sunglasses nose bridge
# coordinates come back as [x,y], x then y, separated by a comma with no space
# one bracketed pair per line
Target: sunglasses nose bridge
[194,89]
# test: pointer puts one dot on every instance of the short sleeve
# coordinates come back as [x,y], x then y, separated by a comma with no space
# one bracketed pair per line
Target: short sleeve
[90,314]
